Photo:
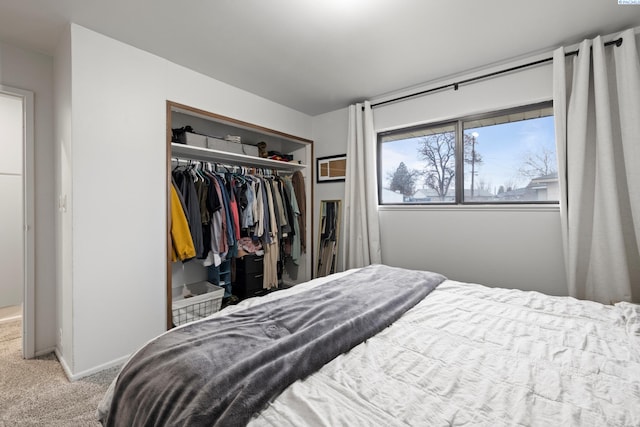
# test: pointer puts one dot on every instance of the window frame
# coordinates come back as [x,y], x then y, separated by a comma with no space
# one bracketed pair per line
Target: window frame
[458,124]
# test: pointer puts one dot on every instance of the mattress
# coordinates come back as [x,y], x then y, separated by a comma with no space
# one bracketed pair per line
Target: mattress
[478,356]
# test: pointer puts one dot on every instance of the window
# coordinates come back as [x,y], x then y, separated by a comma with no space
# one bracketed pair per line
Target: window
[503,157]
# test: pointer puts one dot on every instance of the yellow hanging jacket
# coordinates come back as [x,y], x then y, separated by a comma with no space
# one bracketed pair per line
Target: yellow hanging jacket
[182,243]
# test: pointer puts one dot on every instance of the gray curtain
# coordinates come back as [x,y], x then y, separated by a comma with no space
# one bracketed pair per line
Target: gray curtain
[597,111]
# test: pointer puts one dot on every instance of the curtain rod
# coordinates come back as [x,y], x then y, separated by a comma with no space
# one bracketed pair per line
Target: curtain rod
[455,85]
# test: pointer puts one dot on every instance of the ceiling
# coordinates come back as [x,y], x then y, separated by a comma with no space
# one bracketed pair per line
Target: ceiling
[317,56]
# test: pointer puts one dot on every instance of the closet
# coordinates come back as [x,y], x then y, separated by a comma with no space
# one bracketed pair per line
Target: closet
[225,150]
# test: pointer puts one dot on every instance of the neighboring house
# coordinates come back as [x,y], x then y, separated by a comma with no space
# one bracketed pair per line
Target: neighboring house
[428,195]
[514,195]
[545,187]
[541,188]
[479,195]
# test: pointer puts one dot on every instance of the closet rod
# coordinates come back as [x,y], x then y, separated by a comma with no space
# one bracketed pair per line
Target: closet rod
[272,171]
[455,85]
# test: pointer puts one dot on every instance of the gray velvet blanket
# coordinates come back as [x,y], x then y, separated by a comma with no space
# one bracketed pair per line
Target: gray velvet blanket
[221,371]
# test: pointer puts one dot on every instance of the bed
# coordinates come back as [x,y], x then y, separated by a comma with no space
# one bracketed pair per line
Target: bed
[412,348]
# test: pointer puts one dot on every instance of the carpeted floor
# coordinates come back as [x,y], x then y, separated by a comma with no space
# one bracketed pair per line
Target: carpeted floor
[37,393]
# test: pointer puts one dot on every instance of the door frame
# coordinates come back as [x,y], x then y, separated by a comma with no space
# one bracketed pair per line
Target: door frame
[28,200]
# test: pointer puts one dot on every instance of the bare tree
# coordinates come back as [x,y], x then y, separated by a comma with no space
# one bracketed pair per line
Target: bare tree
[438,150]
[538,163]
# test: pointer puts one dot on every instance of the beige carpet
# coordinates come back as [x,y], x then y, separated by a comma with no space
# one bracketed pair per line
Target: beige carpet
[37,393]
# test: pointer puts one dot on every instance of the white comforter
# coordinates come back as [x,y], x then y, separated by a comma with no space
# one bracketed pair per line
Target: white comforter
[478,356]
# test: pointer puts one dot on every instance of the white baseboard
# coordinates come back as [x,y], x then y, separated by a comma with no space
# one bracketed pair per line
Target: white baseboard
[117,362]
[8,319]
[75,377]
[65,367]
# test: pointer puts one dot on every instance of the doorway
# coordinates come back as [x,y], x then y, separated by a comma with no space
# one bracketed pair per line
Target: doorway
[16,211]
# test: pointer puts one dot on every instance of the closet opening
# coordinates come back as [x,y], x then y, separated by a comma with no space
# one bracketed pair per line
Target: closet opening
[16,228]
[228,165]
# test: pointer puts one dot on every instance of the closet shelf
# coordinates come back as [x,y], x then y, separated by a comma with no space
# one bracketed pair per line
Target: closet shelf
[206,154]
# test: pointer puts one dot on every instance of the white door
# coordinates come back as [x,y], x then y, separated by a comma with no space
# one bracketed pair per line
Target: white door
[16,208]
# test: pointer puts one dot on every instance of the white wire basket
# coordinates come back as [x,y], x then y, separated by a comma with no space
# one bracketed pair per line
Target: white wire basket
[206,299]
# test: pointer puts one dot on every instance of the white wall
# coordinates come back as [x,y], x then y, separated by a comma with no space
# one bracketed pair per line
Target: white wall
[519,88]
[118,211]
[118,158]
[64,223]
[329,139]
[514,248]
[509,246]
[32,71]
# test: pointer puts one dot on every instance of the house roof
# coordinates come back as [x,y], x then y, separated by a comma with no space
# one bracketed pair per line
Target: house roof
[552,177]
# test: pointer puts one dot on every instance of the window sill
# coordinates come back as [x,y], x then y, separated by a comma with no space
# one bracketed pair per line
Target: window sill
[474,208]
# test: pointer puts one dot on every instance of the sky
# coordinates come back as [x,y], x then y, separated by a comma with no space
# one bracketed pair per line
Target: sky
[503,149]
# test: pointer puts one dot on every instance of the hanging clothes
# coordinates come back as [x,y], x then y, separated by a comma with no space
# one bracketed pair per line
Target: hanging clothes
[287,208]
[253,210]
[215,235]
[270,279]
[299,189]
[181,240]
[258,208]
[246,197]
[226,205]
[266,215]
[233,206]
[202,189]
[295,240]
[218,225]
[185,184]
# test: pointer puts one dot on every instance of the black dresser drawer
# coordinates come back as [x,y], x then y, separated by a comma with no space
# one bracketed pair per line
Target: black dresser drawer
[249,276]
[250,264]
